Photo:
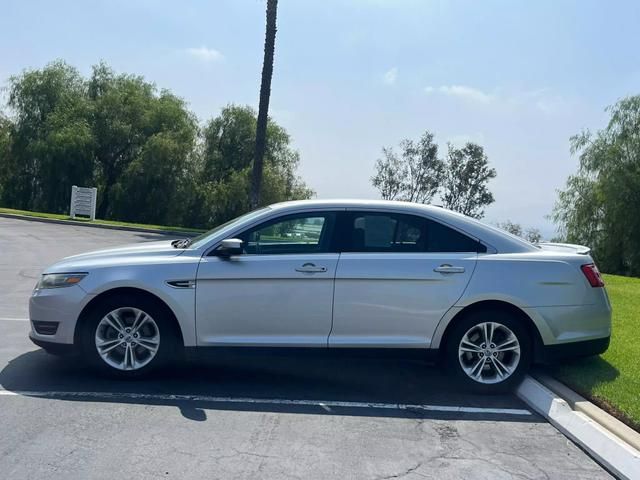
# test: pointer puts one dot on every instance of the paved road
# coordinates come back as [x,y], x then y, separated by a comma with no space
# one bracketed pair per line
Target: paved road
[318,416]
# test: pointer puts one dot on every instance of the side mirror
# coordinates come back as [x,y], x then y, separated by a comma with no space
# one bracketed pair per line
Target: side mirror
[230,246]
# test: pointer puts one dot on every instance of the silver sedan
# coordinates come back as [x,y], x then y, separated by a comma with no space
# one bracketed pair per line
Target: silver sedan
[331,274]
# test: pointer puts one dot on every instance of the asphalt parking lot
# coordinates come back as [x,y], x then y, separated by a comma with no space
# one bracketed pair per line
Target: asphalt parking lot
[319,416]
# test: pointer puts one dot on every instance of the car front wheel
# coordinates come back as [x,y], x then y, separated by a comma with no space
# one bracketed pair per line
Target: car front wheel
[128,336]
[489,351]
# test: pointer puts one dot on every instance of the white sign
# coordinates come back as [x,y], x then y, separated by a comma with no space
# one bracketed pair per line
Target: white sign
[83,202]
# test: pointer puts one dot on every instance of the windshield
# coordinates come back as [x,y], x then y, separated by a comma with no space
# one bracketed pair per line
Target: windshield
[204,238]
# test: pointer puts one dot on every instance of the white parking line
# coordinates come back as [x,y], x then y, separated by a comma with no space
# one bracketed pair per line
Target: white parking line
[8,319]
[325,404]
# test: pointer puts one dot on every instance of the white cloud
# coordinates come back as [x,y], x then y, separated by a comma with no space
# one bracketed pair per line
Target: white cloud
[204,54]
[541,99]
[462,91]
[390,76]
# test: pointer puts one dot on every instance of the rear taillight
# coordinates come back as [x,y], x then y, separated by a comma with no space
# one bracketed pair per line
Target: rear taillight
[593,275]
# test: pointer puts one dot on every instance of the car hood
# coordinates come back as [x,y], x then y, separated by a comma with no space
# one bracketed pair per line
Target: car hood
[134,253]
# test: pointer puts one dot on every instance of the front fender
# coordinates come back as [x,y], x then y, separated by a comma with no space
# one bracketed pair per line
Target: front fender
[152,279]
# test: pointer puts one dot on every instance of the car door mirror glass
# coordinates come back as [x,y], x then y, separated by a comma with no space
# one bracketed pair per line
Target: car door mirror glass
[230,246]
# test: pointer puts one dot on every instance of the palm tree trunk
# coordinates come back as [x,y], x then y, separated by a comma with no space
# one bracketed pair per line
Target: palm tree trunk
[263,108]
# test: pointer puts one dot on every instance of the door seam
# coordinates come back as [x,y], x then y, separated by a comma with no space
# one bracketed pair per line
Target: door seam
[455,305]
[333,297]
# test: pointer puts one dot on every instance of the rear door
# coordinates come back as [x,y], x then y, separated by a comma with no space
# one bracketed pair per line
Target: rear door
[397,276]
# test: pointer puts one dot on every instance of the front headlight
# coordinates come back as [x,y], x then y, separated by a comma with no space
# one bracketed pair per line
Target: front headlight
[59,280]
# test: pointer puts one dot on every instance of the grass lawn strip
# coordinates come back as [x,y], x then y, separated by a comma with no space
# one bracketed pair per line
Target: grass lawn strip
[612,380]
[141,226]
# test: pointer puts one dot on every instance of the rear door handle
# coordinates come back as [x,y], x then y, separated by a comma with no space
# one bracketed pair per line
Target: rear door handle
[311,268]
[446,268]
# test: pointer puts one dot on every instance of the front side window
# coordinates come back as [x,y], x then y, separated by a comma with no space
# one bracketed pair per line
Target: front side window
[390,232]
[309,233]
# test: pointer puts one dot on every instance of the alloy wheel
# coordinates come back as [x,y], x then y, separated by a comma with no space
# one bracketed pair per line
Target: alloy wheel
[489,352]
[127,338]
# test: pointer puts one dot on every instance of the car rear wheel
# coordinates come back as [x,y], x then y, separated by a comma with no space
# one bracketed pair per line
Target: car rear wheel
[489,351]
[127,336]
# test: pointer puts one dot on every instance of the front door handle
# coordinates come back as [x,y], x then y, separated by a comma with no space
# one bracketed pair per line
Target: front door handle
[311,268]
[446,268]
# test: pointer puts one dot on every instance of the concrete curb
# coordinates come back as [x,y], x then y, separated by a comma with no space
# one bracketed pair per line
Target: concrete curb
[581,404]
[619,457]
[76,223]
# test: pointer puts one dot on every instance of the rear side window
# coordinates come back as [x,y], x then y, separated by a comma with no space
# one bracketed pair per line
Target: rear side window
[441,238]
[389,232]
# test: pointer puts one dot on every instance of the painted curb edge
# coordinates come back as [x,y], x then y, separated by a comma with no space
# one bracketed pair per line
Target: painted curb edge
[581,404]
[609,450]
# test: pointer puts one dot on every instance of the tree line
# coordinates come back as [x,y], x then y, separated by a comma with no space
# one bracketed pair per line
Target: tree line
[418,174]
[145,151]
[153,162]
[600,204]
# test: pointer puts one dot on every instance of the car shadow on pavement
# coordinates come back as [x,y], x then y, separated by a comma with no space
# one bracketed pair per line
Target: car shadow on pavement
[316,383]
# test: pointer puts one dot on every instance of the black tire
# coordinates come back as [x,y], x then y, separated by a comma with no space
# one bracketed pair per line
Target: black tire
[465,324]
[169,348]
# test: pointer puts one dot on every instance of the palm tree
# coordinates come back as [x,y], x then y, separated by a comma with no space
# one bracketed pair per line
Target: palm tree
[263,108]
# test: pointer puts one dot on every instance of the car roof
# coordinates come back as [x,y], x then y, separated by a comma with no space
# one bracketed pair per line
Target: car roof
[500,240]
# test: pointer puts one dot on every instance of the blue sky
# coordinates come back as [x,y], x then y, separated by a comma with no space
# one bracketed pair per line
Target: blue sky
[352,76]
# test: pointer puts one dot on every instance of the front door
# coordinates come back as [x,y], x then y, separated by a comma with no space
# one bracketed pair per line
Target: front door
[279,292]
[397,276]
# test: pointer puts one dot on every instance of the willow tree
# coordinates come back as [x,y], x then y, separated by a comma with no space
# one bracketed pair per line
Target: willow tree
[600,202]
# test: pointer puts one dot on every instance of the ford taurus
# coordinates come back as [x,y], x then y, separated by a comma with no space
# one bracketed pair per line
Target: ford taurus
[336,275]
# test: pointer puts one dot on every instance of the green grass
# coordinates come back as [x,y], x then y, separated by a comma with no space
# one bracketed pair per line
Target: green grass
[142,226]
[34,214]
[612,380]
